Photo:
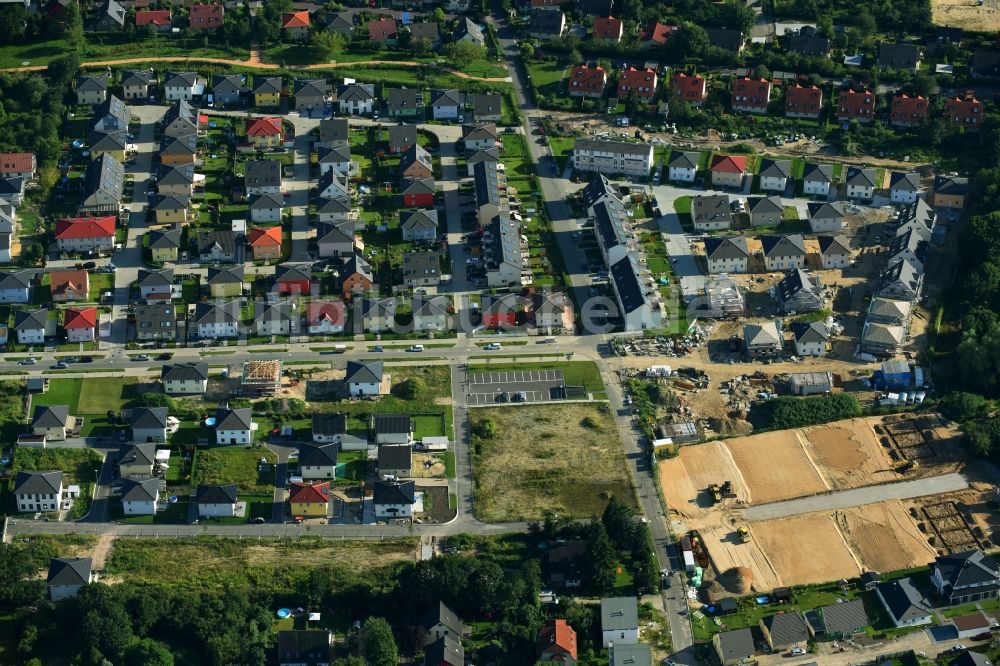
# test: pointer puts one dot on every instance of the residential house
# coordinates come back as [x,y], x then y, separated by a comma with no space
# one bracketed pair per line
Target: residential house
[728,170]
[80,324]
[181,119]
[293,279]
[552,312]
[405,103]
[546,23]
[556,642]
[402,137]
[155,322]
[782,253]
[234,426]
[12,191]
[638,82]
[312,95]
[972,625]
[32,326]
[904,187]
[834,251]
[278,318]
[140,496]
[638,654]
[356,99]
[393,499]
[785,630]
[586,81]
[266,208]
[18,165]
[751,95]
[341,23]
[444,652]
[67,286]
[378,314]
[431,313]
[226,90]
[52,422]
[421,269]
[109,17]
[689,88]
[416,163]
[262,177]
[189,378]
[437,621]
[683,166]
[733,647]
[163,245]
[103,183]
[419,225]
[325,317]
[470,32]
[337,159]
[265,243]
[176,180]
[309,500]
[816,179]
[180,86]
[136,82]
[108,143]
[267,91]
[860,183]
[501,244]
[765,211]
[619,621]
[356,277]
[726,38]
[217,320]
[774,174]
[67,576]
[655,34]
[418,192]
[91,89]
[395,460]
[300,647]
[727,254]
[826,217]
[810,338]
[486,107]
[905,57]
[608,28]
[171,209]
[501,311]
[319,461]
[366,378]
[809,41]
[333,185]
[799,292]
[335,240]
[855,105]
[711,212]
[206,16]
[904,603]
[15,286]
[393,428]
[265,133]
[906,111]
[216,500]
[160,19]
[215,246]
[111,115]
[39,491]
[950,192]
[803,101]
[333,133]
[965,112]
[383,31]
[843,620]
[967,577]
[763,340]
[149,424]
[612,157]
[85,234]
[179,150]
[901,280]
[295,26]
[479,137]
[448,104]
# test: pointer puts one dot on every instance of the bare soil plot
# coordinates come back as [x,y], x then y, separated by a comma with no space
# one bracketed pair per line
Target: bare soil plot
[967,14]
[775,466]
[566,458]
[884,536]
[849,454]
[428,465]
[685,479]
[727,552]
[805,549]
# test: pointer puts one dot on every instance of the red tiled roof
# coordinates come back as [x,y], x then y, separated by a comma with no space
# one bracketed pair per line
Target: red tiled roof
[295,20]
[729,163]
[325,310]
[265,236]
[60,281]
[264,127]
[690,88]
[853,103]
[80,318]
[607,27]
[85,227]
[966,111]
[632,79]
[803,99]
[656,32]
[556,633]
[382,29]
[309,493]
[158,17]
[906,109]
[588,79]
[16,162]
[206,15]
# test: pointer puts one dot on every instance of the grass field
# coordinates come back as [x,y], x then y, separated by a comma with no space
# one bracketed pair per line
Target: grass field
[565,458]
[235,465]
[89,396]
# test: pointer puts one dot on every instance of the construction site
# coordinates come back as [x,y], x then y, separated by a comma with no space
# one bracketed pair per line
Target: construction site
[716,490]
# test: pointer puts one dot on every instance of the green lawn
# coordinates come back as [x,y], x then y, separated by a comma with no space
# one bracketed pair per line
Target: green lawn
[237,465]
[99,395]
[547,72]
[61,392]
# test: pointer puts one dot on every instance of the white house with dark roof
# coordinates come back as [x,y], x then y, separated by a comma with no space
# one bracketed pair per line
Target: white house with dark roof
[860,183]
[51,422]
[901,280]
[967,577]
[479,137]
[811,338]
[319,461]
[447,104]
[393,428]
[189,378]
[782,253]
[734,647]
[765,211]
[181,86]
[774,174]
[327,428]
[904,603]
[431,313]
[334,240]
[15,286]
[904,188]
[356,99]
[619,621]
[217,320]
[140,496]
[727,254]
[41,492]
[613,157]
[365,378]
[32,326]
[834,251]
[711,212]
[234,426]
[764,339]
[393,499]
[683,166]
[826,217]
[158,285]
[67,575]
[419,225]
[149,424]
[816,179]
[216,500]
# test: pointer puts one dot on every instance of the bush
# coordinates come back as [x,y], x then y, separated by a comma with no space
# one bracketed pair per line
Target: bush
[413,388]
[788,412]
[486,429]
[153,399]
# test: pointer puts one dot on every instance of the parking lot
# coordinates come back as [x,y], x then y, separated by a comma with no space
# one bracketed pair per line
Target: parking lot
[490,388]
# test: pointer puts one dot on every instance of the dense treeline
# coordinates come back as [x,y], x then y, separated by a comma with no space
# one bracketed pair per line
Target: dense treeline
[791,412]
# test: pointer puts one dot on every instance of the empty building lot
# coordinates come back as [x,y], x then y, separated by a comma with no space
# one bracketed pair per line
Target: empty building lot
[490,388]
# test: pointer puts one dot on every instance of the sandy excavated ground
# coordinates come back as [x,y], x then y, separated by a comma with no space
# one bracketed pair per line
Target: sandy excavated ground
[884,537]
[806,549]
[726,551]
[849,454]
[684,479]
[967,14]
[775,467]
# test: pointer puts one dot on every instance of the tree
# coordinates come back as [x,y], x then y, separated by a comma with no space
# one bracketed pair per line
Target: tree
[618,521]
[600,564]
[349,661]
[377,643]
[148,652]
[462,53]
[527,50]
[104,624]
[13,22]
[486,429]
[327,44]
[439,15]
[411,388]
[962,406]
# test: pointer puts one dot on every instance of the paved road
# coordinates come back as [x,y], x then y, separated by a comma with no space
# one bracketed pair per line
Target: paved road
[849,498]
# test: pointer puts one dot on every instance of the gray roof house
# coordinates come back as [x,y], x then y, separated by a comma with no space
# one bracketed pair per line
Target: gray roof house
[844,619]
[149,424]
[220,276]
[67,575]
[486,107]
[155,322]
[401,137]
[447,104]
[900,280]
[419,225]
[799,292]
[103,184]
[898,56]
[262,177]
[226,89]
[784,630]
[341,23]
[91,88]
[733,647]
[469,31]
[966,577]
[763,339]
[333,132]
[404,103]
[426,31]
[905,604]
[765,211]
[311,94]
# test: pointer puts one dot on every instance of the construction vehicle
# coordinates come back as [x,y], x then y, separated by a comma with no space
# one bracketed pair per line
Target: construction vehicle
[905,466]
[744,533]
[727,489]
[716,492]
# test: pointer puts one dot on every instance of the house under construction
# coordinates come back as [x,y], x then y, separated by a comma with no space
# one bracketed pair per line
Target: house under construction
[723,298]
[261,376]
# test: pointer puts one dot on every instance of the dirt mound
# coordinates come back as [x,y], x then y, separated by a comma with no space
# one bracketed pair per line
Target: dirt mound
[738,580]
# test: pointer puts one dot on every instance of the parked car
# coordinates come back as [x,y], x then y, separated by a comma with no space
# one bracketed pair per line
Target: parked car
[166,356]
[493,346]
[141,357]
[59,365]
[377,349]
[415,348]
[27,361]
[86,359]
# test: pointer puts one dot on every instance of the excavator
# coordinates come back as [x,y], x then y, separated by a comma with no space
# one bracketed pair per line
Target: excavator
[905,466]
[744,533]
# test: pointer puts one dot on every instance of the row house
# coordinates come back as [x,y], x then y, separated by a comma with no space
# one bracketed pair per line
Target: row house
[751,95]
[638,82]
[856,105]
[803,101]
[586,81]
[907,111]
[689,88]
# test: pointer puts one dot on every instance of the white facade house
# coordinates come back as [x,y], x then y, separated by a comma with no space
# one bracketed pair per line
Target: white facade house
[619,621]
[266,208]
[825,218]
[774,175]
[185,378]
[216,501]
[140,496]
[234,426]
[860,184]
[727,255]
[816,179]
[613,157]
[41,492]
[782,253]
[904,188]
[834,251]
[364,378]
[683,166]
[393,500]
[904,603]
[810,339]
[180,86]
